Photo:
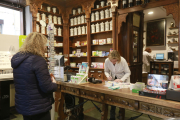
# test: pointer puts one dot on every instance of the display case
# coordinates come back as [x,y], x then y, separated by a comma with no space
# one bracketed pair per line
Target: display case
[162,68]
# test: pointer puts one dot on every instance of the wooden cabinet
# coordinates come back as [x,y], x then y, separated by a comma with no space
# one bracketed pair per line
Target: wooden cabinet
[162,67]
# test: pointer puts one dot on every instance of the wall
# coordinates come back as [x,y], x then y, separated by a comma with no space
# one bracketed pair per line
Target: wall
[162,49]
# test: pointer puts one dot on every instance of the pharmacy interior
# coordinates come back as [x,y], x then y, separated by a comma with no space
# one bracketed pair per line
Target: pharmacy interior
[83,34]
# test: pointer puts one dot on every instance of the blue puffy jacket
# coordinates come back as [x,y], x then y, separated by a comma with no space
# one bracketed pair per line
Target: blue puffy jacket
[33,86]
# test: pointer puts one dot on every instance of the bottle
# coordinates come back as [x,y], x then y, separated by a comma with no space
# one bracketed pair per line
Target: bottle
[124,4]
[138,2]
[130,3]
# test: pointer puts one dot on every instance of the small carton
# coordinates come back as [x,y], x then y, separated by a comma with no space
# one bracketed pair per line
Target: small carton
[72,79]
[77,79]
[109,40]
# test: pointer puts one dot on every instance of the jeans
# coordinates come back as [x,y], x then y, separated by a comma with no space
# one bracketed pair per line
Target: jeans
[41,116]
[113,113]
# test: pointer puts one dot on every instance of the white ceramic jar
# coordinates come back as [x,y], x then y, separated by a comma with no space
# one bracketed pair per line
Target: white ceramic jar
[107,13]
[37,28]
[50,18]
[82,19]
[54,10]
[41,7]
[85,19]
[49,9]
[74,11]
[75,31]
[55,19]
[102,3]
[111,25]
[102,27]
[43,16]
[55,31]
[59,20]
[79,30]
[107,26]
[43,29]
[102,14]
[86,29]
[79,20]
[97,27]
[83,30]
[79,10]
[110,12]
[59,31]
[38,16]
[92,28]
[75,21]
[72,21]
[71,32]
[97,15]
[92,17]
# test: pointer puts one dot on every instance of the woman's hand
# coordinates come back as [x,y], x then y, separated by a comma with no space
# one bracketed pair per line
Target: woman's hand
[118,80]
[52,78]
[109,78]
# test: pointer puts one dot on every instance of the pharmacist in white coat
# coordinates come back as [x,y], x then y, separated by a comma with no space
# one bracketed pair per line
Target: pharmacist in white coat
[116,69]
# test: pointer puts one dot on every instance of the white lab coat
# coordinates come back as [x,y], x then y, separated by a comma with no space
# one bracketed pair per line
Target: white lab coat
[120,70]
[147,57]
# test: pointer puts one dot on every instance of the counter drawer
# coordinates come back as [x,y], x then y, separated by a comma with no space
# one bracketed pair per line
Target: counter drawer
[70,90]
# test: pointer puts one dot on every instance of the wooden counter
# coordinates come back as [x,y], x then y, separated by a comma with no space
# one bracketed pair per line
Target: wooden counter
[122,98]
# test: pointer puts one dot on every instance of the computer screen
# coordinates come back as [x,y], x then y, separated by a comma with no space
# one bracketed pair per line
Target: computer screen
[159,56]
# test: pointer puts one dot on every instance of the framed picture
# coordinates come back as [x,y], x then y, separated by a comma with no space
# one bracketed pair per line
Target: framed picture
[156,33]
[136,20]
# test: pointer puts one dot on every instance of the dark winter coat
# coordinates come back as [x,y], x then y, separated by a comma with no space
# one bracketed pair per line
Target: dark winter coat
[33,86]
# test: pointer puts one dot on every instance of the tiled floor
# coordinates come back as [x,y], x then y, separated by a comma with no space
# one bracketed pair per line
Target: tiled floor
[91,113]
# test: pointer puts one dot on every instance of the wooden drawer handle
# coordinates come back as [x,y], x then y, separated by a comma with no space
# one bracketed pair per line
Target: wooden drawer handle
[95,96]
[110,99]
[64,88]
[91,74]
[125,102]
[72,90]
[83,93]
[99,75]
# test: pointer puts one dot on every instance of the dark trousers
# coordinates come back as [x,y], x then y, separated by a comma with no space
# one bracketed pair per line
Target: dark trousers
[113,113]
[41,116]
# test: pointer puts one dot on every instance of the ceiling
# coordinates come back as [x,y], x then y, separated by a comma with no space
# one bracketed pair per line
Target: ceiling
[159,12]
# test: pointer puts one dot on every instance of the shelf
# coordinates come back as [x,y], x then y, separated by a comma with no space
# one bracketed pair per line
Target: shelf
[78,46]
[102,20]
[79,57]
[102,32]
[96,68]
[43,11]
[102,8]
[54,36]
[99,56]
[171,28]
[79,25]
[78,35]
[71,16]
[173,43]
[75,67]
[172,35]
[58,46]
[175,50]
[102,44]
[54,24]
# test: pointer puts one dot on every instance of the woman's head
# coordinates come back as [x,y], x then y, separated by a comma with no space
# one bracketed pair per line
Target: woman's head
[34,43]
[148,50]
[114,56]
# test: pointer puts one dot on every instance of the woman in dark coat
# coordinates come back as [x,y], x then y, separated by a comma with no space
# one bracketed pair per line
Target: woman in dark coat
[33,85]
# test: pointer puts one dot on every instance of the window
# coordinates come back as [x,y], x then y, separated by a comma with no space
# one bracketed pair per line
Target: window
[11,21]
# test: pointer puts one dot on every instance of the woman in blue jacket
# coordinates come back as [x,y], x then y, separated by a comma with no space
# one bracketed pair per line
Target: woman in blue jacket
[33,85]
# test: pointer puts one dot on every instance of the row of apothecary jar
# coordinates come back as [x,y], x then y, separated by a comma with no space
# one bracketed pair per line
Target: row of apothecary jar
[44,30]
[100,27]
[103,14]
[78,20]
[78,31]
[51,19]
[49,9]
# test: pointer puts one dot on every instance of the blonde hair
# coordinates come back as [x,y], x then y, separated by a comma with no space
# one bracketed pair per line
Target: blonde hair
[34,43]
[115,55]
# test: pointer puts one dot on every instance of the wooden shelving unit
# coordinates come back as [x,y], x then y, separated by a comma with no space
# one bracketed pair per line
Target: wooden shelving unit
[172,28]
[72,16]
[101,8]
[101,20]
[102,32]
[79,25]
[49,13]
[78,35]
[101,45]
[78,46]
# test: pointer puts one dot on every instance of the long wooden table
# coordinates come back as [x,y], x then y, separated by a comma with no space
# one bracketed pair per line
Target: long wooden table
[123,98]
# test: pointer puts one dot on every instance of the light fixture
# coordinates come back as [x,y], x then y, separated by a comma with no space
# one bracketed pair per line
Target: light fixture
[150,13]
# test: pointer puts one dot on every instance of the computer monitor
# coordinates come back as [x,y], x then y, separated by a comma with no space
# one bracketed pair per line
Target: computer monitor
[159,56]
